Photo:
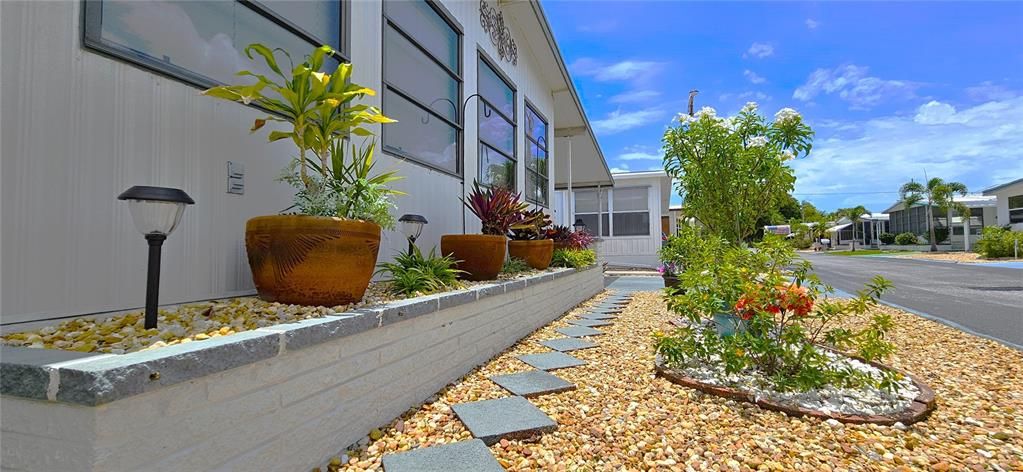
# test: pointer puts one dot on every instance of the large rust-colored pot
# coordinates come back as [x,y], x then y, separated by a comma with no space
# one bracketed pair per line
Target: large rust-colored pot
[536,253]
[481,255]
[311,260]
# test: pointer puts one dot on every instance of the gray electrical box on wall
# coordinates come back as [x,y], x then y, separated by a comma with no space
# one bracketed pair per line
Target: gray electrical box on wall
[235,178]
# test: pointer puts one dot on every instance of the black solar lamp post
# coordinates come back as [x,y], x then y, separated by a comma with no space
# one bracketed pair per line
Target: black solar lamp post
[155,211]
[412,226]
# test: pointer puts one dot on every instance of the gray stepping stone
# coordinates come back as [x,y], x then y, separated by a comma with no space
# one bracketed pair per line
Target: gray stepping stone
[605,310]
[532,383]
[508,418]
[462,456]
[598,316]
[589,323]
[579,331]
[551,360]
[568,344]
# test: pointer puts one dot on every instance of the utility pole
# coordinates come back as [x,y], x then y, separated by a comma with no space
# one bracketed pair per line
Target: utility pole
[692,98]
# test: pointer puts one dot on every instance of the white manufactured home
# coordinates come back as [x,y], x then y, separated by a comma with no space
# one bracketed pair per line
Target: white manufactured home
[630,219]
[101,95]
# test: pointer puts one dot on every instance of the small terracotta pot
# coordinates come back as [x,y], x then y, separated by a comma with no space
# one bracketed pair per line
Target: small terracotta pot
[536,253]
[481,255]
[670,281]
[311,260]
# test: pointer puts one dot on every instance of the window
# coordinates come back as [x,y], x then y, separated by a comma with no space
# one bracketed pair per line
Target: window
[1016,209]
[537,182]
[203,42]
[631,217]
[496,127]
[591,205]
[422,85]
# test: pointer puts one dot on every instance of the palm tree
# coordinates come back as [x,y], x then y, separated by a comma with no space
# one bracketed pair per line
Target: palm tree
[855,214]
[936,192]
[945,200]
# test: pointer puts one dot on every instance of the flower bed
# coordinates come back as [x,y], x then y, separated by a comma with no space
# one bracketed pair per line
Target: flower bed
[124,333]
[911,401]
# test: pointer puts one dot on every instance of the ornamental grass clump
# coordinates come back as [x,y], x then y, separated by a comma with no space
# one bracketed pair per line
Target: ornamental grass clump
[413,274]
[791,330]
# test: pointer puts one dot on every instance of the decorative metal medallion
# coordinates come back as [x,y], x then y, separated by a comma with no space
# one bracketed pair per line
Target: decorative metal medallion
[493,23]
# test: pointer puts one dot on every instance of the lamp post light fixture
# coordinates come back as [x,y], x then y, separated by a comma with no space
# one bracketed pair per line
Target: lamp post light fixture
[155,211]
[579,225]
[412,226]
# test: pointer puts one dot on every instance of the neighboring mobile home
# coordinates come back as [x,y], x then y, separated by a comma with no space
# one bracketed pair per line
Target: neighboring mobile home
[630,220]
[1009,204]
[102,95]
[982,213]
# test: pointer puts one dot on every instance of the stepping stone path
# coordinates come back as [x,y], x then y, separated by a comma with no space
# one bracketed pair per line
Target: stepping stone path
[462,456]
[551,360]
[579,331]
[489,421]
[568,344]
[508,418]
[533,383]
[589,323]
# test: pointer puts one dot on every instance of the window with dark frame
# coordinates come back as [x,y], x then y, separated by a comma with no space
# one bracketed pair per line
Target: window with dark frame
[630,211]
[537,161]
[202,43]
[496,127]
[591,207]
[1015,204]
[422,85]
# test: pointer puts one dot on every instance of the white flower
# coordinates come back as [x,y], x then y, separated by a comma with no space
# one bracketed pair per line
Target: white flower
[757,141]
[785,114]
[749,107]
[683,118]
[708,112]
[787,155]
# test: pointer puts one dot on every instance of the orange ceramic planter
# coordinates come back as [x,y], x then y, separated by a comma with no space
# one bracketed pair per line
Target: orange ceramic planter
[536,253]
[481,255]
[311,260]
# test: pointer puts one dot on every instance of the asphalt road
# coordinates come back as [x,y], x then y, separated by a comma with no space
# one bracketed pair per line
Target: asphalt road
[985,300]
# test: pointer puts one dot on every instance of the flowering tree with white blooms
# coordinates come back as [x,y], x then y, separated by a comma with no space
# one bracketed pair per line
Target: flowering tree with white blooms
[731,171]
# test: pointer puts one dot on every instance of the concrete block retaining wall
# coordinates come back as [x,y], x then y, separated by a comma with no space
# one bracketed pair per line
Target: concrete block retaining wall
[286,397]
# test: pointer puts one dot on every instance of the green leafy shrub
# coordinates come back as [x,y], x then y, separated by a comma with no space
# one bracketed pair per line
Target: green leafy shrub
[574,258]
[998,242]
[514,265]
[800,242]
[940,235]
[886,238]
[906,239]
[413,274]
[784,315]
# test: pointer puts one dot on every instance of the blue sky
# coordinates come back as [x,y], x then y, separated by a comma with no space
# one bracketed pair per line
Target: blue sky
[892,90]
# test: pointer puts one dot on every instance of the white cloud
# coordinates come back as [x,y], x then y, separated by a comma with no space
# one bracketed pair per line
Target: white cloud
[753,77]
[759,50]
[754,94]
[974,145]
[853,85]
[618,121]
[812,23]
[989,91]
[618,169]
[641,153]
[635,96]
[627,70]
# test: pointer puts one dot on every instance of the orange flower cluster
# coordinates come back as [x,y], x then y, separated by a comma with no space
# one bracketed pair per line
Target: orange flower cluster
[788,298]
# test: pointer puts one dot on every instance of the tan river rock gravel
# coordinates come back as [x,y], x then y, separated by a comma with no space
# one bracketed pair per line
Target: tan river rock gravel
[623,417]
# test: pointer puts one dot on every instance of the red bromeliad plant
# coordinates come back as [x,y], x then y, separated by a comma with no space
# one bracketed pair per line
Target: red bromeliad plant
[498,209]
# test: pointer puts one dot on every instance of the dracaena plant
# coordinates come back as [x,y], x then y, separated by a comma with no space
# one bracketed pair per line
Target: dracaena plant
[532,227]
[497,208]
[331,178]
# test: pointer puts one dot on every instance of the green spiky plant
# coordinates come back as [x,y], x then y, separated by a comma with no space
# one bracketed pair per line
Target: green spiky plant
[331,178]
[413,274]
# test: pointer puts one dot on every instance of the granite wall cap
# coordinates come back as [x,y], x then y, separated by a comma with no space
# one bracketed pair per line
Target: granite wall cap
[113,377]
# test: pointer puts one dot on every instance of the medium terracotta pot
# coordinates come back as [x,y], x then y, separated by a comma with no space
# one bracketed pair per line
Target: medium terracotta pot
[311,260]
[536,253]
[561,245]
[671,281]
[481,255]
